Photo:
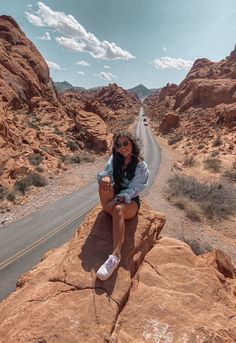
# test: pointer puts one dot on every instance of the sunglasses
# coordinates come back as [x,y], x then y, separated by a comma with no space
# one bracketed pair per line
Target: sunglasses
[124,144]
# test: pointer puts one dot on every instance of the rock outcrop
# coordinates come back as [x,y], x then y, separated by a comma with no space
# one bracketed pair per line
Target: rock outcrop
[179,297]
[204,101]
[61,300]
[37,124]
[161,291]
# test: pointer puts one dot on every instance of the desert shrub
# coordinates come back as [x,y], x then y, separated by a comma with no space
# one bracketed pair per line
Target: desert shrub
[36,179]
[192,209]
[217,142]
[32,179]
[58,132]
[201,146]
[72,145]
[175,139]
[3,192]
[214,153]
[189,161]
[231,146]
[35,159]
[75,159]
[230,173]
[22,185]
[35,126]
[87,158]
[39,169]
[212,164]
[11,196]
[214,199]
[197,247]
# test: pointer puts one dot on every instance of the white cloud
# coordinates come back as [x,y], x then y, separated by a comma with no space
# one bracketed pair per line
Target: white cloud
[164,48]
[53,65]
[82,63]
[106,76]
[80,72]
[75,37]
[46,36]
[34,19]
[172,63]
[107,67]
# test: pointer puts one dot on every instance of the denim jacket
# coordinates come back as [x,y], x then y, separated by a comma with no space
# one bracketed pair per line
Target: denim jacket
[132,187]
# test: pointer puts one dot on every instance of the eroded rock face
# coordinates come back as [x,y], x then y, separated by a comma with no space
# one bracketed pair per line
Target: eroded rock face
[23,71]
[204,100]
[179,297]
[35,120]
[170,121]
[61,300]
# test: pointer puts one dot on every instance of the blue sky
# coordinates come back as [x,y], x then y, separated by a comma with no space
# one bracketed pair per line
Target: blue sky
[91,43]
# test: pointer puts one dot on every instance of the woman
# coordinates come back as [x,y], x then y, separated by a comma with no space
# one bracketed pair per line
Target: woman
[123,178]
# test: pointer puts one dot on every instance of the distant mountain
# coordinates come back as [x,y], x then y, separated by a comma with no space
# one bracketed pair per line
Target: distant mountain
[141,91]
[63,86]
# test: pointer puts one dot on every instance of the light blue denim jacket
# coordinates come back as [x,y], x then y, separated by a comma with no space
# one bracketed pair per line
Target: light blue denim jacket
[132,187]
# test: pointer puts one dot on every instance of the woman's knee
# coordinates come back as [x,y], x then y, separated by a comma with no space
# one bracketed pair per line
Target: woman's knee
[118,210]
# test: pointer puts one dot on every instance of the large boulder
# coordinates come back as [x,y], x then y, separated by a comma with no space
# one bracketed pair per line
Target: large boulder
[61,300]
[179,297]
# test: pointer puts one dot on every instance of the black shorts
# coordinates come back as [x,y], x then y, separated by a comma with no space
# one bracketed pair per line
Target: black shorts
[137,200]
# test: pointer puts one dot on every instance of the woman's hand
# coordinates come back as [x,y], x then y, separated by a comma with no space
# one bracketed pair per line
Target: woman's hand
[106,184]
[110,204]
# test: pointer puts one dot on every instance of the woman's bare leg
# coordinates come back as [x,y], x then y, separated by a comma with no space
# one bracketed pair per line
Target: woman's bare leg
[119,213]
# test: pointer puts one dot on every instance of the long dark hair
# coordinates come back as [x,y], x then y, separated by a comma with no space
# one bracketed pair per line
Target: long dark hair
[119,160]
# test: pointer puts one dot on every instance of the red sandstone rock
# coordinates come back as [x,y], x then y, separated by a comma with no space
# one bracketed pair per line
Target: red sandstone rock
[170,121]
[177,299]
[61,300]
[206,97]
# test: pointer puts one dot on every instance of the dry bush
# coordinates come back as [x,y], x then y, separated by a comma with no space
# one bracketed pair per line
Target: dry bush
[213,199]
[217,142]
[189,161]
[230,173]
[197,247]
[35,159]
[212,164]
[177,137]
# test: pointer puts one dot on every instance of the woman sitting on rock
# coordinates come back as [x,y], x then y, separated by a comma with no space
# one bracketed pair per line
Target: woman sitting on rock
[124,177]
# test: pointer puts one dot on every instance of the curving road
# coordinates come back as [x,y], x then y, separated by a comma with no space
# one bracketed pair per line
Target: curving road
[24,242]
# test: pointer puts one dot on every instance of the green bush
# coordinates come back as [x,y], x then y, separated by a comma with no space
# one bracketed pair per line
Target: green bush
[212,164]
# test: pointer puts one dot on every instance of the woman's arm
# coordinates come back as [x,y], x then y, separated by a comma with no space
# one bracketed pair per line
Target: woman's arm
[137,184]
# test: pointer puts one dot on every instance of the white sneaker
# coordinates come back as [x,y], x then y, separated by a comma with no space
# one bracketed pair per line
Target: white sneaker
[108,267]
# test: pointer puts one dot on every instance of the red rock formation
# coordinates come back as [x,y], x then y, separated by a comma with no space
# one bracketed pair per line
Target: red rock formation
[170,121]
[204,100]
[180,297]
[61,300]
[161,293]
[33,119]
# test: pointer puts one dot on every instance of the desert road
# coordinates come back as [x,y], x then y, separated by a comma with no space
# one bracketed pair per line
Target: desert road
[23,243]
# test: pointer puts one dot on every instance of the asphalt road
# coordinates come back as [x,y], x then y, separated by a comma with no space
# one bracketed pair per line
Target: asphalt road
[23,243]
